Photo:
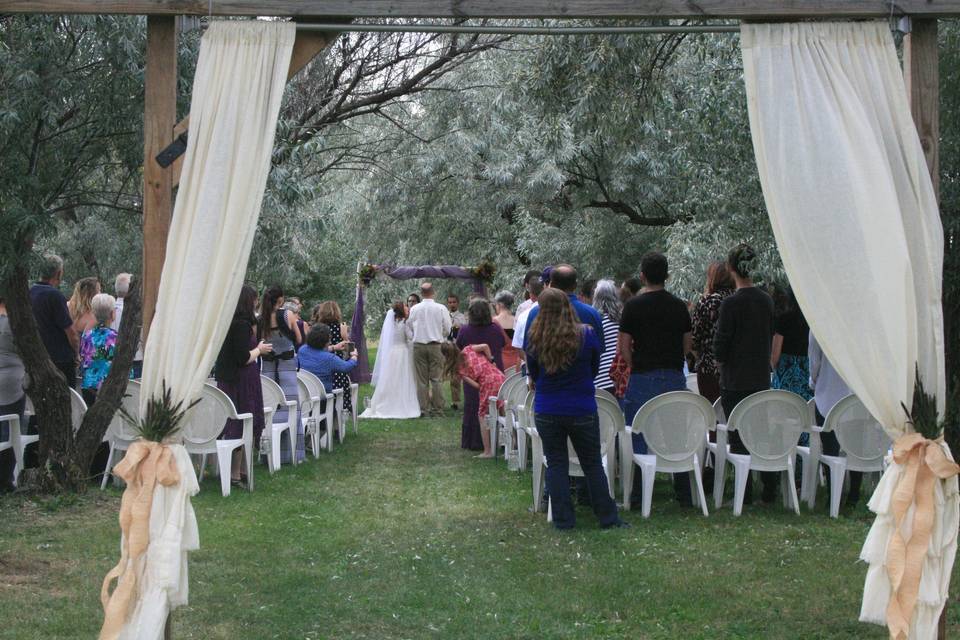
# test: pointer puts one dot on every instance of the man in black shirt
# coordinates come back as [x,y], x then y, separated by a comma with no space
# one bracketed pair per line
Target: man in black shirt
[53,319]
[655,336]
[742,346]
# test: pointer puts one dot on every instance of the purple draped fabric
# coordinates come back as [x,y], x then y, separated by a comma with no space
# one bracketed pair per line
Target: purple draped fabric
[362,372]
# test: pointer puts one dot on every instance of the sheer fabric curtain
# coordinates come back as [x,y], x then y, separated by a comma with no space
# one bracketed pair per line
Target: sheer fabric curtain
[239,83]
[856,222]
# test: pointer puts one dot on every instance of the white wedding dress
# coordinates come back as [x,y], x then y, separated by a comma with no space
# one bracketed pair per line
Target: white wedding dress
[395,387]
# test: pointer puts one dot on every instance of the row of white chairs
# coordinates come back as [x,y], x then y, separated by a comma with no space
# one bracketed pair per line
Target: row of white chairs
[675,426]
[320,413]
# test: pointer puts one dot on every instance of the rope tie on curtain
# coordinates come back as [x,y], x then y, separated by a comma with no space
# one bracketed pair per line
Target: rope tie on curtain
[924,462]
[145,464]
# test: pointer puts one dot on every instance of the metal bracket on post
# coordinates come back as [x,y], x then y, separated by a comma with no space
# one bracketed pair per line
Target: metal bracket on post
[904,25]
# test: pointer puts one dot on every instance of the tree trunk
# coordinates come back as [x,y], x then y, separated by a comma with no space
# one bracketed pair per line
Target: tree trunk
[47,388]
[66,455]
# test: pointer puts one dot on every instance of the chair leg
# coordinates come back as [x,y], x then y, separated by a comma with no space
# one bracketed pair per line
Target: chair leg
[223,463]
[837,474]
[537,485]
[522,450]
[698,479]
[275,452]
[203,466]
[106,469]
[740,478]
[719,476]
[647,475]
[792,489]
[626,482]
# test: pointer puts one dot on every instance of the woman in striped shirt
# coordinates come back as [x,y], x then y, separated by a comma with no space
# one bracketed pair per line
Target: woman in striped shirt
[606,300]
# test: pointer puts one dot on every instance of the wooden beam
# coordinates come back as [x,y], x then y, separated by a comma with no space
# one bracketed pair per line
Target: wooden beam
[921,70]
[307,46]
[159,116]
[741,9]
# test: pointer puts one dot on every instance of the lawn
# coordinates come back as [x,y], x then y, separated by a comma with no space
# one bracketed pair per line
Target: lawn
[400,534]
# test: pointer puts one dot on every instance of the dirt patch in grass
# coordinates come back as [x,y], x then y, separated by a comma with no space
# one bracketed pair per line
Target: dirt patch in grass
[17,571]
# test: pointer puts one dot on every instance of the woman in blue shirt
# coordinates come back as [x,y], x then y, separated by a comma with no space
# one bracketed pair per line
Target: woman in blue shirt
[315,358]
[563,358]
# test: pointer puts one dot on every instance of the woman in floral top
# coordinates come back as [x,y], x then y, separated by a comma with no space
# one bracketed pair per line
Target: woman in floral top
[97,347]
[705,315]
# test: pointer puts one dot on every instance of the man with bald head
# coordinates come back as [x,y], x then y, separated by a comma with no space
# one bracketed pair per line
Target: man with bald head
[564,277]
[431,325]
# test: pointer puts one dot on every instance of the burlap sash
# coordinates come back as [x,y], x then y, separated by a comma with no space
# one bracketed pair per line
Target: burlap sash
[924,461]
[145,464]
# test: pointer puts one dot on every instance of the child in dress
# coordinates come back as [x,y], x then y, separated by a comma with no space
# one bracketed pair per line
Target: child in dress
[474,365]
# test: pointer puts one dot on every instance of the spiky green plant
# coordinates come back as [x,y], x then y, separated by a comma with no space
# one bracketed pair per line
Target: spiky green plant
[162,419]
[923,414]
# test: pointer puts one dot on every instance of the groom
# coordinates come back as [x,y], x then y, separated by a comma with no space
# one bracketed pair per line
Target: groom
[431,326]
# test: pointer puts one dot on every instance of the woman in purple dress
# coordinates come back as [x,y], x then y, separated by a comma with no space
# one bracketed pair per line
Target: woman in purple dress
[481,329]
[238,373]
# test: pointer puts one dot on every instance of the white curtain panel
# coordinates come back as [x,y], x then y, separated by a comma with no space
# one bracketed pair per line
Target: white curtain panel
[855,218]
[239,83]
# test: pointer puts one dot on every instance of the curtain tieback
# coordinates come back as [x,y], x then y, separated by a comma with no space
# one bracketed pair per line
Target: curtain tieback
[145,464]
[924,462]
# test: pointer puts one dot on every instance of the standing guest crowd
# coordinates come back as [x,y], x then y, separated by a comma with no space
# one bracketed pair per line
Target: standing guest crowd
[571,337]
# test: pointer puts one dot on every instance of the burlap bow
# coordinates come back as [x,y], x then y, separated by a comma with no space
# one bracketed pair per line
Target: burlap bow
[924,461]
[145,464]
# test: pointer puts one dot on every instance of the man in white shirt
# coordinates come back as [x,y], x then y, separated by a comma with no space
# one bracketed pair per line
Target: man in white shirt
[520,324]
[431,325]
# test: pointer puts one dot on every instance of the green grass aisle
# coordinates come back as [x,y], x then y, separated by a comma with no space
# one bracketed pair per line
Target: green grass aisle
[400,534]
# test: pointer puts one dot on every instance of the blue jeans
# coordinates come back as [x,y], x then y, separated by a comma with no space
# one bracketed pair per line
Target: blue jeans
[584,433]
[646,386]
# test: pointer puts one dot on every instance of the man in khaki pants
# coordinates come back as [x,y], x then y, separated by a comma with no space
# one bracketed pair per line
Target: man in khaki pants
[431,326]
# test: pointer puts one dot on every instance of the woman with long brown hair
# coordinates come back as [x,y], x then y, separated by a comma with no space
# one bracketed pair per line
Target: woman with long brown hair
[563,358]
[719,286]
[328,313]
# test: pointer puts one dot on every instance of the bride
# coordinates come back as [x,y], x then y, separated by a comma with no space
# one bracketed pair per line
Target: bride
[395,393]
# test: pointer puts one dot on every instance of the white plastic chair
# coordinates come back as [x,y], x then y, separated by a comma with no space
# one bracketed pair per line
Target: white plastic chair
[863,446]
[314,390]
[611,422]
[674,426]
[274,397]
[692,384]
[202,427]
[12,442]
[20,440]
[769,424]
[338,414]
[509,371]
[717,451]
[501,427]
[354,401]
[120,434]
[309,408]
[810,454]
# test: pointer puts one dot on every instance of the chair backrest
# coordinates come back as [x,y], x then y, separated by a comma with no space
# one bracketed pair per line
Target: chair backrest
[303,395]
[206,420]
[719,412]
[611,423]
[770,422]
[119,428]
[273,396]
[812,412]
[859,434]
[525,409]
[509,371]
[513,391]
[692,384]
[314,385]
[78,408]
[602,393]
[675,424]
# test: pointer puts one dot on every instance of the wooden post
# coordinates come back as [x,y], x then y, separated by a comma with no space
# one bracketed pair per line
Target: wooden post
[159,118]
[922,74]
[921,71]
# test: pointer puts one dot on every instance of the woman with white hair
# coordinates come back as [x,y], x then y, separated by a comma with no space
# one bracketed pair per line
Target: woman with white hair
[98,346]
[606,300]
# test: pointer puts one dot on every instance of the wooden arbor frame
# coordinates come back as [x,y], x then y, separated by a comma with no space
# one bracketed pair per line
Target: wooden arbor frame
[160,117]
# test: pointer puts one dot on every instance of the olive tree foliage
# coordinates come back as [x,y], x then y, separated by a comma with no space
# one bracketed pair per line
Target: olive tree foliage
[69,133]
[591,150]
